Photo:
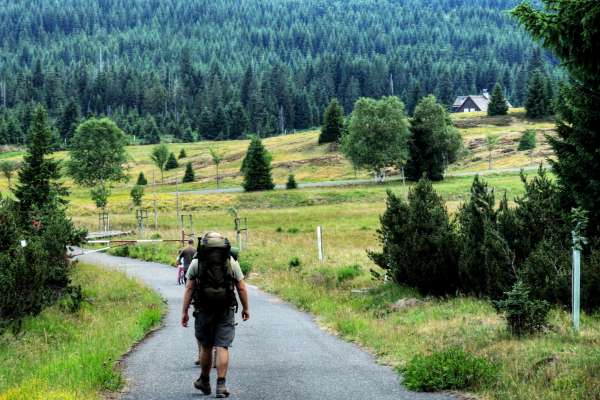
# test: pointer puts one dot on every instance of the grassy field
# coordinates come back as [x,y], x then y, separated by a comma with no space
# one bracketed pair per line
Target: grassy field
[60,355]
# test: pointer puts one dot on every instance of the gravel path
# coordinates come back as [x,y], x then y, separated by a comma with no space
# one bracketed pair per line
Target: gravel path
[279,354]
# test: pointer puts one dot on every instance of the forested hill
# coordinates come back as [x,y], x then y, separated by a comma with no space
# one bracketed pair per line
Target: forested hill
[218,68]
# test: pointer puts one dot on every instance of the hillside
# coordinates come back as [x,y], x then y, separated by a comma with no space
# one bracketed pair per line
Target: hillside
[211,69]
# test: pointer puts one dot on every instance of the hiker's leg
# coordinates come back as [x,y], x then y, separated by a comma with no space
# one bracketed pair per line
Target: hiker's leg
[206,360]
[222,361]
[199,352]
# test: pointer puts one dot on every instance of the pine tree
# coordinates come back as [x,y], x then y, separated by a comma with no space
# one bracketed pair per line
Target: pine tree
[182,154]
[68,120]
[256,167]
[333,123]
[291,182]
[141,180]
[498,104]
[38,187]
[189,175]
[537,96]
[238,120]
[171,162]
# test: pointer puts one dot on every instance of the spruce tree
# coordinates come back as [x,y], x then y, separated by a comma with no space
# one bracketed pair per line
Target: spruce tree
[67,122]
[498,104]
[333,123]
[238,120]
[171,162]
[256,167]
[38,187]
[537,100]
[182,154]
[141,180]
[189,175]
[291,182]
[577,45]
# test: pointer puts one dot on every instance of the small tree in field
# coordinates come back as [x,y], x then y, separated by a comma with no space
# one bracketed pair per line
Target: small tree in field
[8,168]
[171,162]
[97,155]
[291,182]
[216,158]
[160,155]
[257,167]
[141,180]
[378,135]
[182,154]
[189,175]
[333,123]
[137,194]
[498,104]
[491,142]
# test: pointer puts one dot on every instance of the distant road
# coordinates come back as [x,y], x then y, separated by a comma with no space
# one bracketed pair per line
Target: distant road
[355,182]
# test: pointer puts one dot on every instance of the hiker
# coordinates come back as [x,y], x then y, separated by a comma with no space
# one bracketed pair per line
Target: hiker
[211,278]
[185,257]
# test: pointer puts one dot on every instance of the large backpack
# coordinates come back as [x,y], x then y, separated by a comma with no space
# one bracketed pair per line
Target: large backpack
[214,289]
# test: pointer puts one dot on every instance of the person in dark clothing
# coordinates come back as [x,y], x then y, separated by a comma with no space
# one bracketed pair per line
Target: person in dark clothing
[186,256]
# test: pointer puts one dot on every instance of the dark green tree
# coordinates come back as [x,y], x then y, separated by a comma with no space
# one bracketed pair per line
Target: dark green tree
[238,120]
[38,188]
[141,180]
[333,123]
[291,182]
[171,162]
[68,121]
[498,104]
[537,101]
[435,142]
[137,195]
[189,175]
[256,167]
[182,154]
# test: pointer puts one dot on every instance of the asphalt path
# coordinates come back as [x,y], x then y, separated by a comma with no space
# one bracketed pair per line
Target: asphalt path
[355,182]
[280,353]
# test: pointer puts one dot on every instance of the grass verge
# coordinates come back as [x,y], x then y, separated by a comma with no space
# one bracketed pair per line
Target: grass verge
[60,355]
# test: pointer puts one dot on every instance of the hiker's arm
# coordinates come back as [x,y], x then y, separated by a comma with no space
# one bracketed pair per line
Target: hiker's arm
[243,293]
[187,299]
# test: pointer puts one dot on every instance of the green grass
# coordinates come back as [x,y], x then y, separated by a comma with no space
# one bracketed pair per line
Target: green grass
[58,355]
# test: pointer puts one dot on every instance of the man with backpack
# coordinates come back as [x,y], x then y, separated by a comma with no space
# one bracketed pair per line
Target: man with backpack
[186,256]
[212,279]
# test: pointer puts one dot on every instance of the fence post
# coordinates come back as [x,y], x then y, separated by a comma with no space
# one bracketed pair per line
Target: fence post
[320,243]
[576,281]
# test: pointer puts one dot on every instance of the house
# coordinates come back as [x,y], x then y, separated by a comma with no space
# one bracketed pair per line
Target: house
[472,103]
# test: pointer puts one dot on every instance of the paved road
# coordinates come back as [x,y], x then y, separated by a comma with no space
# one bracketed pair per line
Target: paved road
[279,354]
[354,182]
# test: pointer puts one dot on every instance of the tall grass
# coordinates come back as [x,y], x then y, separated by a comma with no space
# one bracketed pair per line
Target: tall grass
[59,355]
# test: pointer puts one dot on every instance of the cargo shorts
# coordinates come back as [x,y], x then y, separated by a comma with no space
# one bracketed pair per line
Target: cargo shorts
[215,328]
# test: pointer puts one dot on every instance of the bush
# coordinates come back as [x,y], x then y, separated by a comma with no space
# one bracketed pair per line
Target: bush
[245,265]
[293,230]
[182,154]
[141,180]
[291,183]
[294,263]
[523,314]
[171,162]
[451,369]
[324,277]
[348,273]
[528,140]
[419,243]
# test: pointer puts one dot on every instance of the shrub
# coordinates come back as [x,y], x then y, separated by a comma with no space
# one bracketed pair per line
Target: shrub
[451,369]
[189,175]
[293,230]
[245,265]
[523,314]
[171,162]
[141,180]
[325,277]
[291,183]
[348,273]
[279,229]
[294,263]
[137,194]
[182,154]
[528,140]
[418,241]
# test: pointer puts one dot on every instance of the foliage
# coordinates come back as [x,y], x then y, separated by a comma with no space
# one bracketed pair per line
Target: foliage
[99,194]
[491,142]
[378,135]
[189,175]
[137,194]
[485,264]
[348,272]
[450,369]
[171,162]
[419,243]
[141,180]
[8,168]
[217,158]
[256,167]
[160,155]
[97,153]
[291,182]
[537,101]
[524,315]
[498,104]
[528,140]
[435,142]
[294,263]
[333,123]
[38,187]
[182,154]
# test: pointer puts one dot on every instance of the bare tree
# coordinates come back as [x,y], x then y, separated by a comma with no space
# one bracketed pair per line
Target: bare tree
[8,168]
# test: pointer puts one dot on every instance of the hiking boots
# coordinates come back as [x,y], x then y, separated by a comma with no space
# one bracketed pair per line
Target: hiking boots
[222,391]
[203,385]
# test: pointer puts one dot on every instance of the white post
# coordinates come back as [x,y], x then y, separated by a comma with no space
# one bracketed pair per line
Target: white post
[576,281]
[154,201]
[320,243]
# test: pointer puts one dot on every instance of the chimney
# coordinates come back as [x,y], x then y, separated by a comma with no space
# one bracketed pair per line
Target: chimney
[486,94]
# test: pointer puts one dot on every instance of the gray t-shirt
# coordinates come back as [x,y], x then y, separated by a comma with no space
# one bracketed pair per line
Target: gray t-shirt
[192,272]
